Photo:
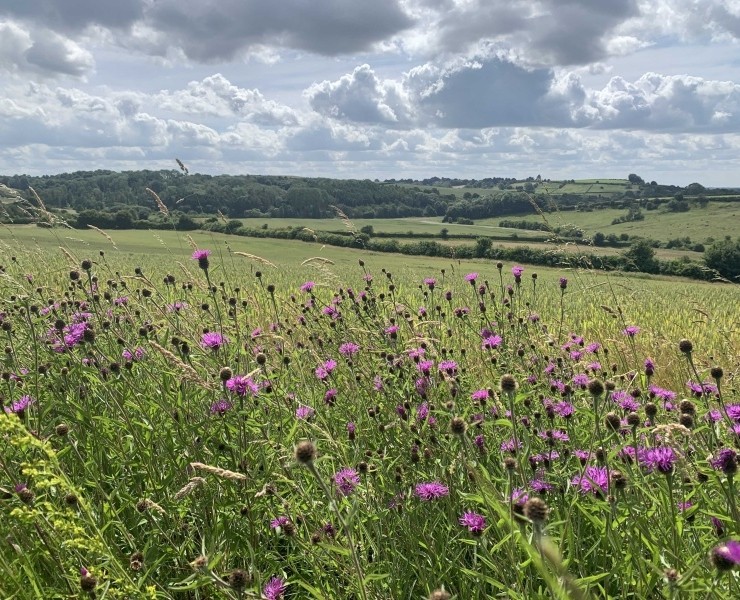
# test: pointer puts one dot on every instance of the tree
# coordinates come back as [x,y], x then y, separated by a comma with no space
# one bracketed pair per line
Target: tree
[641,257]
[599,239]
[724,257]
[636,179]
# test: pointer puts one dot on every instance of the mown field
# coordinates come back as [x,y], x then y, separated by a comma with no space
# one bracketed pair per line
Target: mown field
[211,416]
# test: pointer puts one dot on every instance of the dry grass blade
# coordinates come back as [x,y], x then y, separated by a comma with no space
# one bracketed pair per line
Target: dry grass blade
[162,208]
[189,487]
[344,218]
[318,259]
[186,371]
[218,471]
[259,259]
[105,235]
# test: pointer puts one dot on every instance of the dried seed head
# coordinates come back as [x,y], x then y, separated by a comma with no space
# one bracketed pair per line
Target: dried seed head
[612,421]
[199,563]
[686,346]
[305,452]
[595,387]
[225,374]
[619,480]
[239,579]
[508,384]
[633,419]
[651,409]
[440,594]
[535,509]
[88,582]
[458,426]
[717,372]
[62,429]
[509,463]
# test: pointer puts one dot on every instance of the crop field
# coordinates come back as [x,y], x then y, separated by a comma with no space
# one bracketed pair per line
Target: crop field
[715,221]
[220,417]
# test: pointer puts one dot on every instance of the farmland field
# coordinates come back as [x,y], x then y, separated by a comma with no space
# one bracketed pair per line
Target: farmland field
[213,416]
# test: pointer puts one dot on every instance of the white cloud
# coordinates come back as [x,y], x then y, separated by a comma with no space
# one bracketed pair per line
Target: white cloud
[41,52]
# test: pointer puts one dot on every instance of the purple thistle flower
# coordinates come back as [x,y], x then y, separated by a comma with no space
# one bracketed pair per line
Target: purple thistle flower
[430,281]
[391,330]
[593,347]
[346,481]
[727,555]
[563,283]
[471,277]
[274,589]
[517,271]
[304,412]
[733,412]
[202,257]
[661,459]
[580,380]
[448,366]
[348,349]
[594,480]
[541,486]
[480,395]
[330,396]
[213,340]
[20,405]
[519,496]
[177,306]
[241,384]
[725,461]
[431,491]
[220,407]
[631,330]
[491,341]
[474,522]
[279,522]
[308,286]
[662,394]
[564,409]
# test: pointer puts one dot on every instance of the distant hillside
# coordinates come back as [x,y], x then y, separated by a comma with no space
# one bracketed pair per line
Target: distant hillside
[128,197]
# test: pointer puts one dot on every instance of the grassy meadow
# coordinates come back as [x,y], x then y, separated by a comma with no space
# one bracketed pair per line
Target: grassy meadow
[220,417]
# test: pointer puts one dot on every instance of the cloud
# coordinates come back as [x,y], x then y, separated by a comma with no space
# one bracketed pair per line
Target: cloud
[677,103]
[360,97]
[208,31]
[491,91]
[42,52]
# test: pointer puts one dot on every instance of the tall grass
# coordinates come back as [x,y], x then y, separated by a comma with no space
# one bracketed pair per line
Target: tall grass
[224,428]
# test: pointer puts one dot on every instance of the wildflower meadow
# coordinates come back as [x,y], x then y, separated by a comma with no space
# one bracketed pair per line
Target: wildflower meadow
[204,424]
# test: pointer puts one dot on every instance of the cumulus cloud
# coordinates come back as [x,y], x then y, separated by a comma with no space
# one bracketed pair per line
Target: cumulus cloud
[361,97]
[41,51]
[490,91]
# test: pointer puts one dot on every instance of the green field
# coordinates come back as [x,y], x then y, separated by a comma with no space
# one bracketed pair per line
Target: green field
[715,221]
[331,424]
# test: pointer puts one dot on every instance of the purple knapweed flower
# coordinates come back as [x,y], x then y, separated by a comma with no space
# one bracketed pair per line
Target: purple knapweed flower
[279,522]
[213,340]
[594,480]
[241,385]
[471,277]
[492,341]
[304,412]
[661,459]
[346,481]
[631,330]
[475,522]
[432,490]
[725,461]
[726,556]
[308,286]
[349,349]
[202,257]
[274,589]
[19,406]
[220,407]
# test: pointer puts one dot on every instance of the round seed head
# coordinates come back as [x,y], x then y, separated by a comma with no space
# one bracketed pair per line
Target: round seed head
[535,509]
[439,594]
[305,452]
[458,426]
[685,346]
[595,387]
[508,384]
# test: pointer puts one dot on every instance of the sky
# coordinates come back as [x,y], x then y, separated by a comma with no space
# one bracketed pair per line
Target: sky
[374,88]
